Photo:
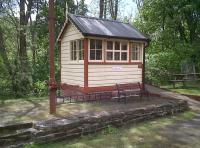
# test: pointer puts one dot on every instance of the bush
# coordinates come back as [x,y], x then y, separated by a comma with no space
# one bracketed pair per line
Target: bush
[40,88]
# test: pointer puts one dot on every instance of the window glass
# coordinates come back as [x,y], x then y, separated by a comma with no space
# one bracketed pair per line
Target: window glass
[98,54]
[71,51]
[117,45]
[117,56]
[124,56]
[109,56]
[95,49]
[120,52]
[124,46]
[92,44]
[109,45]
[98,44]
[92,54]
[136,51]
[76,50]
[81,49]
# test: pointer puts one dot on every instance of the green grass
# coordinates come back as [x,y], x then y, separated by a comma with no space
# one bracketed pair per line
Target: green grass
[143,135]
[189,89]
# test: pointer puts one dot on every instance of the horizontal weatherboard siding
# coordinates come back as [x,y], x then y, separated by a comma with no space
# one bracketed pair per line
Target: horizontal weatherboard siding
[72,72]
[105,75]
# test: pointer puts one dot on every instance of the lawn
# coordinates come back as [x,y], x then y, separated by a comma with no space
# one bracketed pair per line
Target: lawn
[189,89]
[36,109]
[150,134]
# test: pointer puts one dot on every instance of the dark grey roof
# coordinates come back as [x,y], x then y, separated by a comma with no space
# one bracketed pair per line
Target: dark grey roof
[90,26]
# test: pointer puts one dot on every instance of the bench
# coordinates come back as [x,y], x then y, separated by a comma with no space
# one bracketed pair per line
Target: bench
[125,91]
[190,77]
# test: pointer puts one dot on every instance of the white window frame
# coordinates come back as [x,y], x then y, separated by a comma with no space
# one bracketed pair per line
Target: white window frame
[96,49]
[120,51]
[140,51]
[77,51]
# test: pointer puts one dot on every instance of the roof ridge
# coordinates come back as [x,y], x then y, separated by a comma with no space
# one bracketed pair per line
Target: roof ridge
[96,18]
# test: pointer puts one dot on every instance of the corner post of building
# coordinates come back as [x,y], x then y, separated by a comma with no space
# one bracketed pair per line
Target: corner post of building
[143,68]
[85,64]
[52,81]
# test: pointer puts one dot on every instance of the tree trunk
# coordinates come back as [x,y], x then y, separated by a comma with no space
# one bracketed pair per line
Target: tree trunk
[114,5]
[105,8]
[116,9]
[23,57]
[101,8]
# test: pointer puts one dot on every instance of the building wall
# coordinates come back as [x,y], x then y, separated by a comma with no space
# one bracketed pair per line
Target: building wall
[72,72]
[105,75]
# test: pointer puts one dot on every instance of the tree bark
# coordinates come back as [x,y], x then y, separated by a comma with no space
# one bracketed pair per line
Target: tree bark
[23,57]
[114,5]
[105,9]
[101,8]
[116,9]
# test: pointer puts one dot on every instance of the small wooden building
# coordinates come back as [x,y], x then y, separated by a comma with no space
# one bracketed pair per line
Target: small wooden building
[95,54]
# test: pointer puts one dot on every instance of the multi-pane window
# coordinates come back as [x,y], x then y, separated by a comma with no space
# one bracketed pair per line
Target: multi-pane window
[136,52]
[116,51]
[76,50]
[96,50]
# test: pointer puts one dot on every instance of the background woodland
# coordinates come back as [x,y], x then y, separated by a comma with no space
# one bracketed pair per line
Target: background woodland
[172,25]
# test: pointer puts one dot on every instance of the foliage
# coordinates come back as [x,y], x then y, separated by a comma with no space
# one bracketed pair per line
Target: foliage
[24,65]
[173,27]
[109,130]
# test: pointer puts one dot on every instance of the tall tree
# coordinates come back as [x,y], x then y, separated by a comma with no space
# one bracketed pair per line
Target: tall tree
[23,57]
[101,8]
[114,6]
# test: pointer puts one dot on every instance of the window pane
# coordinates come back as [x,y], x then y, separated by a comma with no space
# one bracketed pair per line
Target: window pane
[80,50]
[71,50]
[92,44]
[98,54]
[80,44]
[124,46]
[109,45]
[74,55]
[98,44]
[124,56]
[109,56]
[117,56]
[136,49]
[92,54]
[74,51]
[81,55]
[117,45]
[134,55]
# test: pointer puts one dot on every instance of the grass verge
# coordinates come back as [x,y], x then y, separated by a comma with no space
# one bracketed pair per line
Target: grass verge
[142,135]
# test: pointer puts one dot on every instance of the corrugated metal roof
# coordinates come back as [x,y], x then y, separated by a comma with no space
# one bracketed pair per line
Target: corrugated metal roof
[107,28]
[91,26]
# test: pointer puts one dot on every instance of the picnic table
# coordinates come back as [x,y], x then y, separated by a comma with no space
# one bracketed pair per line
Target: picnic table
[185,77]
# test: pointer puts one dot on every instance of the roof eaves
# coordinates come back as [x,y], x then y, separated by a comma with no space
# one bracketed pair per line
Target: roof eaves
[139,31]
[61,31]
[117,37]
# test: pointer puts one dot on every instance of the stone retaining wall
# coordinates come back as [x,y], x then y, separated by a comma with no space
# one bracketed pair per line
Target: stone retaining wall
[69,128]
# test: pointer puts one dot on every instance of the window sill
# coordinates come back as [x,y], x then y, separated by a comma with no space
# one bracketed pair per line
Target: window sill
[114,63]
